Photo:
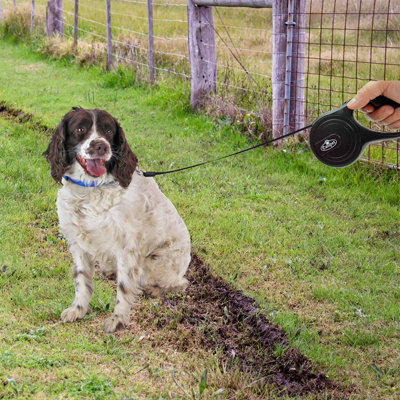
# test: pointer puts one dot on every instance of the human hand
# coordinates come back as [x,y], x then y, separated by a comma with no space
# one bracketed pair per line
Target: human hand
[385,115]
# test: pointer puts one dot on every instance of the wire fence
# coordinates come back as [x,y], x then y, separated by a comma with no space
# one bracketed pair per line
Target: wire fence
[130,33]
[247,34]
[170,38]
[347,43]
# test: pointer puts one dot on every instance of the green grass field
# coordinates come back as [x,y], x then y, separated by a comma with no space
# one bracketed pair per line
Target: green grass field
[347,44]
[317,247]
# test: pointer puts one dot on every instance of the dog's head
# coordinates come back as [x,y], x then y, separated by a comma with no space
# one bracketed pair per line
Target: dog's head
[94,142]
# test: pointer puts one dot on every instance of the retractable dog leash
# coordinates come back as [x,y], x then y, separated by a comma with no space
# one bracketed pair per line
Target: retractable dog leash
[336,138]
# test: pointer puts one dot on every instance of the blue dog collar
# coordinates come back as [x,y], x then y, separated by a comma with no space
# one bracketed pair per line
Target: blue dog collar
[90,184]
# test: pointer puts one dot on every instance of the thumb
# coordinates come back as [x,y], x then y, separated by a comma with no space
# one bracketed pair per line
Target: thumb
[367,93]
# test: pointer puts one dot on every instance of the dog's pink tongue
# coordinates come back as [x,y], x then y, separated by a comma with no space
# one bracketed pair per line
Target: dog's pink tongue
[96,167]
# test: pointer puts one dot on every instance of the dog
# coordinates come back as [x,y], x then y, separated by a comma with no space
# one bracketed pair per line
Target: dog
[113,216]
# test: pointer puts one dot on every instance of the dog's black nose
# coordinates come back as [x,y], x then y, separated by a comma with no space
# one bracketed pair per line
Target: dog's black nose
[98,147]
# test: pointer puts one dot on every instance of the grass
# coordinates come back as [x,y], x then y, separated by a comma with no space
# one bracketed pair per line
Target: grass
[42,358]
[347,44]
[317,247]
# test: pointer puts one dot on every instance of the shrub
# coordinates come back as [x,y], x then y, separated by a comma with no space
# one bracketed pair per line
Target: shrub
[16,24]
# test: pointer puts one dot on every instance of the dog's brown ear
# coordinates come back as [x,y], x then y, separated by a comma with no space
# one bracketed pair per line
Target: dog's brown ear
[56,154]
[124,162]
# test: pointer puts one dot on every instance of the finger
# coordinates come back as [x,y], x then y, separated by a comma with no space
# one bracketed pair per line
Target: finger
[368,109]
[381,113]
[395,125]
[367,93]
[393,118]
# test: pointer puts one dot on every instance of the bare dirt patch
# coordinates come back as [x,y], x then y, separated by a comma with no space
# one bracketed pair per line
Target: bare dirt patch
[10,113]
[216,316]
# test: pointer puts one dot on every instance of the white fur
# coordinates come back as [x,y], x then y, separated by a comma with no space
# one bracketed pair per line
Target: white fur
[134,232]
[83,147]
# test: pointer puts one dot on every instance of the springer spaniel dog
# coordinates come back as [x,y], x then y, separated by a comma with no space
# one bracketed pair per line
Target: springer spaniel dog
[113,216]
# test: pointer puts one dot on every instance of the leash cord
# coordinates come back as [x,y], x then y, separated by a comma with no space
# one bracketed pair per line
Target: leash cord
[152,173]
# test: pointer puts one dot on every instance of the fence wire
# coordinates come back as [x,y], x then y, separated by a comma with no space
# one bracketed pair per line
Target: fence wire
[349,43]
[171,42]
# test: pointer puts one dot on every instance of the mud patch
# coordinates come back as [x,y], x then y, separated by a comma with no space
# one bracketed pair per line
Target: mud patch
[219,317]
[10,113]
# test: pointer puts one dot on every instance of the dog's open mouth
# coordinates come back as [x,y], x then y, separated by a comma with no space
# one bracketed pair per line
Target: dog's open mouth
[93,166]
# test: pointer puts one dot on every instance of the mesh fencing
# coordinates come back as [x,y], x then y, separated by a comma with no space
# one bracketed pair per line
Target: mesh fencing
[349,43]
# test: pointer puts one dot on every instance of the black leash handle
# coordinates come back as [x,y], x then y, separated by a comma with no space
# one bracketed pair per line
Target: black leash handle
[153,173]
[383,101]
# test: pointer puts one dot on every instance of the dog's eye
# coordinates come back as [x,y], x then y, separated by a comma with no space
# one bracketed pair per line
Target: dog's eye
[80,131]
[109,132]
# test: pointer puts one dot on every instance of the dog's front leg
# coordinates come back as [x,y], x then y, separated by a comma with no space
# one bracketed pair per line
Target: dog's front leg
[127,292]
[82,273]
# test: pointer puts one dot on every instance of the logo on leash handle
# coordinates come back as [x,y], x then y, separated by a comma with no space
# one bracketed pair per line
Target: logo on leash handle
[329,144]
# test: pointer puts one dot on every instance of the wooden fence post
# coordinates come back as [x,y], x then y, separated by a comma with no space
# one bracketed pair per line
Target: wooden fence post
[109,35]
[76,6]
[151,39]
[279,15]
[235,3]
[55,22]
[33,16]
[202,53]
[297,119]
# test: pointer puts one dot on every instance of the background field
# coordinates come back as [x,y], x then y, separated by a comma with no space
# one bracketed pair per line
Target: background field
[317,247]
[347,43]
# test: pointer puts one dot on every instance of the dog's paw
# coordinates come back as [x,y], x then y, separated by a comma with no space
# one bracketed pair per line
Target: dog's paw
[73,313]
[115,323]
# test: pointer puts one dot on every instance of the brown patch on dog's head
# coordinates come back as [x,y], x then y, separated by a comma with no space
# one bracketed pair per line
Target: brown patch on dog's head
[94,139]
